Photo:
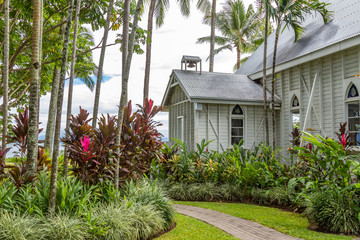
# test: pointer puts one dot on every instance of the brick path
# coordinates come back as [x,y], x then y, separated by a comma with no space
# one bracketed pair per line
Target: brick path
[238,227]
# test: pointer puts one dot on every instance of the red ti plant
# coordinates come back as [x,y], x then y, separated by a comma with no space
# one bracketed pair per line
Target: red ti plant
[91,150]
[345,137]
[20,131]
[140,139]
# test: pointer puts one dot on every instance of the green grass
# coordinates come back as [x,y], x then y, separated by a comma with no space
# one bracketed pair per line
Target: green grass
[191,229]
[289,223]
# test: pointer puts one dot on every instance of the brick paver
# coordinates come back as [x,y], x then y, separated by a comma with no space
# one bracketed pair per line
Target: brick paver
[238,227]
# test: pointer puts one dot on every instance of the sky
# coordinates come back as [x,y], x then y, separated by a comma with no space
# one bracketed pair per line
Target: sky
[177,37]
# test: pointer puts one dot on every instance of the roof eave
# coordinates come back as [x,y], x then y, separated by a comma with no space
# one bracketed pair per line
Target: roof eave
[339,46]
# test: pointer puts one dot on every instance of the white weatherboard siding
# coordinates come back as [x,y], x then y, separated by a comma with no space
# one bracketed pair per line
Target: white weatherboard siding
[335,73]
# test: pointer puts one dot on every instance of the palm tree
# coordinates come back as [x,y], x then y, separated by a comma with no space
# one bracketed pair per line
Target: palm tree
[157,8]
[101,63]
[290,13]
[128,49]
[71,81]
[5,75]
[55,156]
[212,36]
[238,26]
[265,4]
[32,145]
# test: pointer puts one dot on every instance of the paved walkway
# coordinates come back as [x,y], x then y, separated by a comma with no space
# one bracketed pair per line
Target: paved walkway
[238,227]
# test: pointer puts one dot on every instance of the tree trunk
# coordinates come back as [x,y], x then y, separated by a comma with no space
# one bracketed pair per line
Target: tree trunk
[33,129]
[264,74]
[148,50]
[273,78]
[55,156]
[5,76]
[49,136]
[101,63]
[212,36]
[50,127]
[125,76]
[71,81]
[40,55]
[238,57]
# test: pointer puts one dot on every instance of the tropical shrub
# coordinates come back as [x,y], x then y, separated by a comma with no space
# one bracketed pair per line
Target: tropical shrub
[335,211]
[14,226]
[140,140]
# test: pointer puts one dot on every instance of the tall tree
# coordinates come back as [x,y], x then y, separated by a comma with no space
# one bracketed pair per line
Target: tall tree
[290,13]
[33,129]
[128,49]
[212,36]
[101,63]
[239,28]
[265,4]
[71,80]
[55,155]
[5,76]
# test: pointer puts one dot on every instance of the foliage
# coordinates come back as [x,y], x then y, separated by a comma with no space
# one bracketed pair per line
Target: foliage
[14,226]
[91,151]
[141,141]
[335,211]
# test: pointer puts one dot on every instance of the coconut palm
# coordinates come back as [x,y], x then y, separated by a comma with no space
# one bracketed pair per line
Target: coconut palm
[32,145]
[72,75]
[5,75]
[239,28]
[101,63]
[55,155]
[290,13]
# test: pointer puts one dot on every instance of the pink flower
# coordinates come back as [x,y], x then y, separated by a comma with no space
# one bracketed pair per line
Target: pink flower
[85,142]
[343,140]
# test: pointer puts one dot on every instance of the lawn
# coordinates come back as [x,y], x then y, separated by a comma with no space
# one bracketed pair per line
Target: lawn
[191,229]
[289,223]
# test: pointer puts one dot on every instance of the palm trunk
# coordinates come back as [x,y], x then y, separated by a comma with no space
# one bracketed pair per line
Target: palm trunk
[212,36]
[40,55]
[126,73]
[49,136]
[71,81]
[264,74]
[5,76]
[238,57]
[50,127]
[55,156]
[101,63]
[148,50]
[33,129]
[273,78]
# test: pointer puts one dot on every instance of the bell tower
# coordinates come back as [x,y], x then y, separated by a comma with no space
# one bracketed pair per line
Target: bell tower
[191,62]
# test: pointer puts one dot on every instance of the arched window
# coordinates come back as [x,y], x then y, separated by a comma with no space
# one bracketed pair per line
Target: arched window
[295,112]
[237,125]
[353,113]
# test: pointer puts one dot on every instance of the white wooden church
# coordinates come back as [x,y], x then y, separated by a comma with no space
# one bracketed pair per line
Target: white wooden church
[317,79]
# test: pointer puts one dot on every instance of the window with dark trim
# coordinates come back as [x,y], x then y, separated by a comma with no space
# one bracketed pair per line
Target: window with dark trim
[237,125]
[353,113]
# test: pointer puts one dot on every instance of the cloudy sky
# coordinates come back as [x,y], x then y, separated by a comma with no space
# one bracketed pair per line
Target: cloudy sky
[177,37]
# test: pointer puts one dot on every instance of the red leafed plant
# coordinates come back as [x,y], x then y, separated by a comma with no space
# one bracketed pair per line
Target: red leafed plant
[345,137]
[91,150]
[140,139]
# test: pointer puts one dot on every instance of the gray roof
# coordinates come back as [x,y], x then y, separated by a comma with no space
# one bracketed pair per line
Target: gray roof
[220,86]
[190,58]
[345,25]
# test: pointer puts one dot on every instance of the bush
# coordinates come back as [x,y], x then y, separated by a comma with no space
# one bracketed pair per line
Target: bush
[63,227]
[334,211]
[130,221]
[275,196]
[150,194]
[14,226]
